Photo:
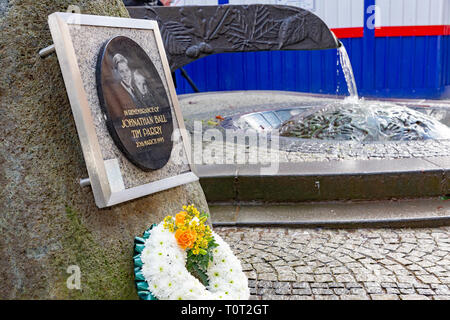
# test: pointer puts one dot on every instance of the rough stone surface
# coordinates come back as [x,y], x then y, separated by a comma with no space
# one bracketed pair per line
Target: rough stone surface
[3,7]
[47,222]
[363,264]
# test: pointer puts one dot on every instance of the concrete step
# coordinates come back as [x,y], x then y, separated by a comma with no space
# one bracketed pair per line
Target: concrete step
[429,212]
[327,180]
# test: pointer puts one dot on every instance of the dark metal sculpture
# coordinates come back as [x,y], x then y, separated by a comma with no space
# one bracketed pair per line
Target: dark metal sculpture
[192,32]
[140,2]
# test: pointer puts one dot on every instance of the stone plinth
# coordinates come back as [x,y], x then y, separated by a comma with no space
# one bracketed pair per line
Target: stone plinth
[47,221]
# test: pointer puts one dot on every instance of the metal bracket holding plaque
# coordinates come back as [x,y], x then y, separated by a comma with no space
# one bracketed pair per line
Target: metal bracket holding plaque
[124,104]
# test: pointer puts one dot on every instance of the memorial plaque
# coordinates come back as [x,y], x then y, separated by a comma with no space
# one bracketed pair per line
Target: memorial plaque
[135,103]
[124,103]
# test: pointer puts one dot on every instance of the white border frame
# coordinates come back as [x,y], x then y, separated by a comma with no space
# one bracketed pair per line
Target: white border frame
[103,194]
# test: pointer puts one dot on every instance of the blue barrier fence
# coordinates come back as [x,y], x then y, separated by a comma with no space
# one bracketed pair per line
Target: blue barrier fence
[390,66]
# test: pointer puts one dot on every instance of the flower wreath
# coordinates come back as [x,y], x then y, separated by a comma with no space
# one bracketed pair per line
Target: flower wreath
[181,258]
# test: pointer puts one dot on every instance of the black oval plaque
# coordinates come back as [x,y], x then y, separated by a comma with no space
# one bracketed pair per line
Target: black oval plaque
[133,98]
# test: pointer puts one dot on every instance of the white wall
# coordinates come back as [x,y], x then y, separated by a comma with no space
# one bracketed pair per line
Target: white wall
[350,13]
[194,2]
[413,12]
[342,13]
[335,13]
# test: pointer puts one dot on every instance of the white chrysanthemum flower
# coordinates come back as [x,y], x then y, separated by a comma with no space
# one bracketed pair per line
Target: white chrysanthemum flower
[164,268]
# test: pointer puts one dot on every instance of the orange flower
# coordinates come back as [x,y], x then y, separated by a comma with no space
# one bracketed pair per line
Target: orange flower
[186,238]
[179,218]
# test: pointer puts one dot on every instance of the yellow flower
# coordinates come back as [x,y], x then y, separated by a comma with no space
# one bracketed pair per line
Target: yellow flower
[168,223]
[190,229]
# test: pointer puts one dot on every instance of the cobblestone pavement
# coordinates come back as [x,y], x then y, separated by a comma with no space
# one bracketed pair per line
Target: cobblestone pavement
[283,263]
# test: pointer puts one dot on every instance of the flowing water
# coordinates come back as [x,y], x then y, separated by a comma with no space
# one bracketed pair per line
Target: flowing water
[352,118]
[348,72]
[360,120]
[364,121]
